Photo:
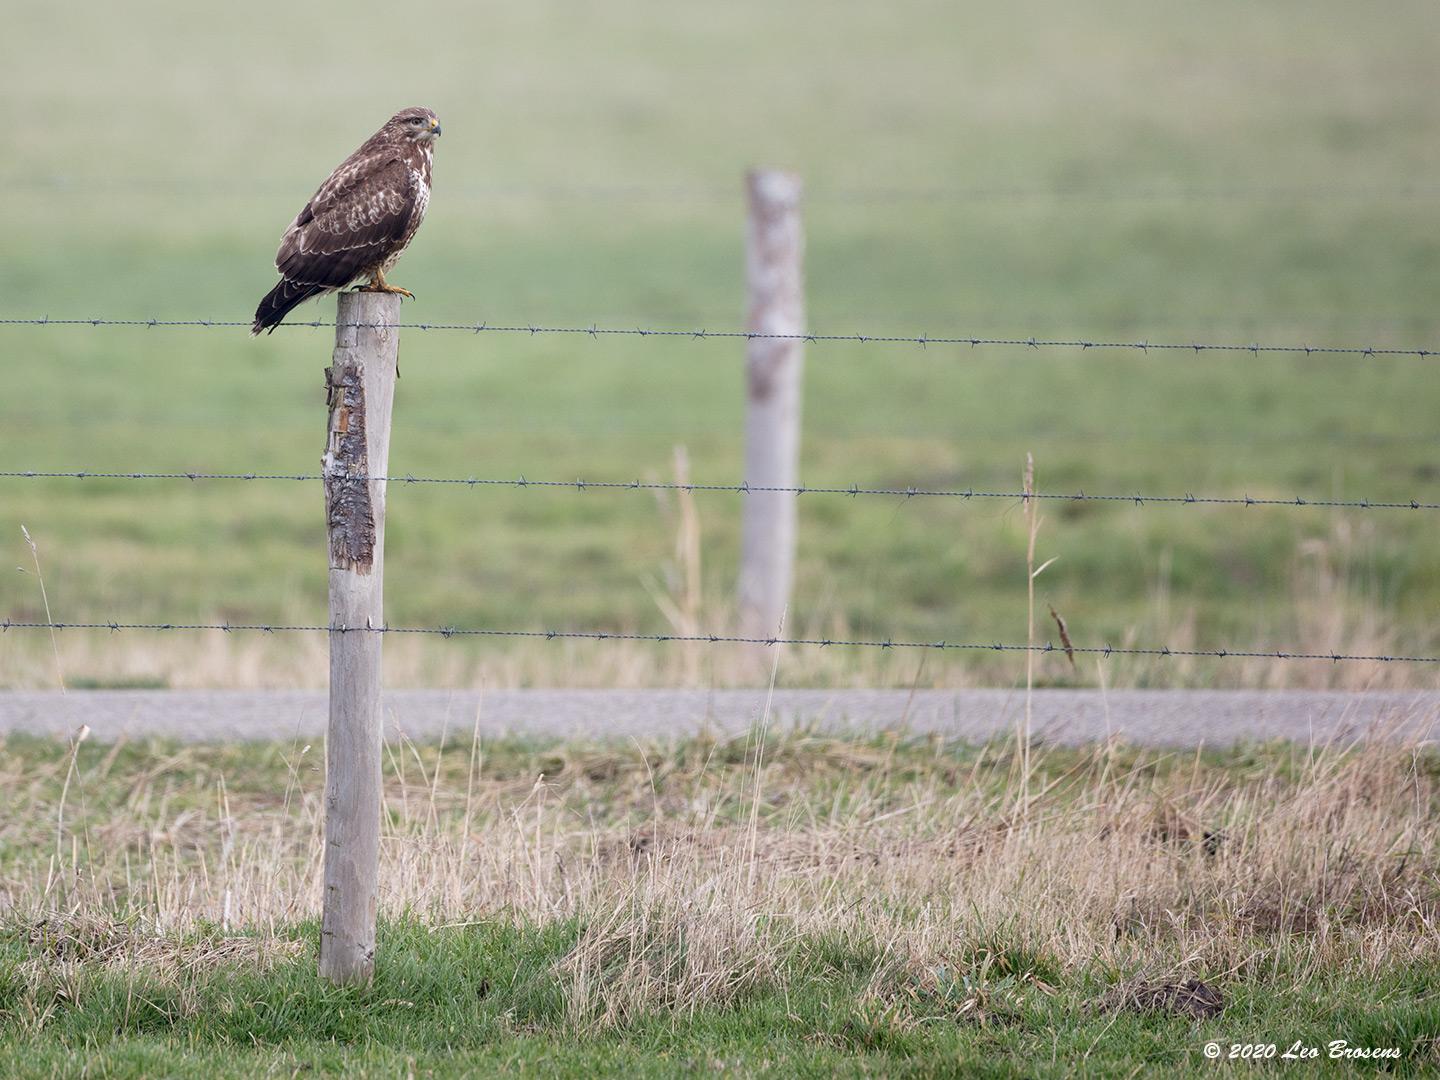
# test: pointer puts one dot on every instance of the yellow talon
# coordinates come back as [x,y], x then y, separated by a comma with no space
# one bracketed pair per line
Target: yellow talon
[380,285]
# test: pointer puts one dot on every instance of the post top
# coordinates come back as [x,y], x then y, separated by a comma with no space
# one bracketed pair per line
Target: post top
[774,186]
[367,307]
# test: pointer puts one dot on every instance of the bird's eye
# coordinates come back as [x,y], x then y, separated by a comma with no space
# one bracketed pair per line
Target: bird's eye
[417,120]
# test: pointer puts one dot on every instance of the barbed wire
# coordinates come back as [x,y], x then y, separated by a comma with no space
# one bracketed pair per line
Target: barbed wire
[846,194]
[1080,193]
[854,490]
[595,331]
[7,625]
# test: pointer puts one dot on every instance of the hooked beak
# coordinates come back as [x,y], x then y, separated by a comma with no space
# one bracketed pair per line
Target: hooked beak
[435,127]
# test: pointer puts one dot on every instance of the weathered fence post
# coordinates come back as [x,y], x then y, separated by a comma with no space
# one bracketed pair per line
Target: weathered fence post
[360,388]
[773,256]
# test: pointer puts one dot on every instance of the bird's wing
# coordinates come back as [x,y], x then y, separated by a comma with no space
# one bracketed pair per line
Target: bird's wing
[351,223]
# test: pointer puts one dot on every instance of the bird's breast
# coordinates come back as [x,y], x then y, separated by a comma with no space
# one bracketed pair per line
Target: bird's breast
[422,193]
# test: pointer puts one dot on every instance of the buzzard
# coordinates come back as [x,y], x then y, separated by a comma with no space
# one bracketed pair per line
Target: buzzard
[360,220]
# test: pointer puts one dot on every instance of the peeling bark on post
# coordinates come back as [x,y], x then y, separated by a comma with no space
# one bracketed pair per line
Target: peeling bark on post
[773,258]
[360,390]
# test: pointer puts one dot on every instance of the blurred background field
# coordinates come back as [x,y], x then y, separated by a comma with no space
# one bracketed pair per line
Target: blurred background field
[1118,170]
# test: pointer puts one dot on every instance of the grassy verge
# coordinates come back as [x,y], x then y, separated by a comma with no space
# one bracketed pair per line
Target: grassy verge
[773,905]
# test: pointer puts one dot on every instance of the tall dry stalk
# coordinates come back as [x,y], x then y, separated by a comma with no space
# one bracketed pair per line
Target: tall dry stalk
[475,762]
[687,554]
[45,598]
[762,733]
[80,736]
[1032,528]
[681,598]
[1032,533]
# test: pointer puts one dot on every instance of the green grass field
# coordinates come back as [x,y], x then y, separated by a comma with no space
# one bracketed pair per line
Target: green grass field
[149,160]
[874,907]
[482,1000]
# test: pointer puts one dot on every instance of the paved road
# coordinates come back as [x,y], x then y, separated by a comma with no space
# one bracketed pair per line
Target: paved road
[1155,717]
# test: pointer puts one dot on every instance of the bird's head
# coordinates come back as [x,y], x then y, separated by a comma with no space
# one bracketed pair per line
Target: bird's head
[418,124]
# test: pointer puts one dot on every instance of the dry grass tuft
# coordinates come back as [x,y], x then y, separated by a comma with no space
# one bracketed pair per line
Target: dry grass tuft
[97,941]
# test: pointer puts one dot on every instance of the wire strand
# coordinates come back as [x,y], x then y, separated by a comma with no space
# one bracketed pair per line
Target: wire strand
[921,340]
[853,491]
[727,639]
[819,194]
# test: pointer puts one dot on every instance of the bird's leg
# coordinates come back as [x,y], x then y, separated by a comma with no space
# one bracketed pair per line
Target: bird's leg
[377,283]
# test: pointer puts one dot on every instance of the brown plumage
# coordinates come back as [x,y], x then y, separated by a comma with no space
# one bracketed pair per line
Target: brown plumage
[360,220]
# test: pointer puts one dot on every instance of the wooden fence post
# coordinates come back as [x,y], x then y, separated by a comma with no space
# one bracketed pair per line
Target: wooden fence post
[773,256]
[360,388]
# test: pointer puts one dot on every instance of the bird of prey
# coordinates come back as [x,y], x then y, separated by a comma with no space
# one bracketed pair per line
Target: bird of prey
[359,222]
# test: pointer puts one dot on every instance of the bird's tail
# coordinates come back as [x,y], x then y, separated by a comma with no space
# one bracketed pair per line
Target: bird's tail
[280,301]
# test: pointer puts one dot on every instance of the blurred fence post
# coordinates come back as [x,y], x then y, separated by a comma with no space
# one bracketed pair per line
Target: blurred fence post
[774,251]
[360,390]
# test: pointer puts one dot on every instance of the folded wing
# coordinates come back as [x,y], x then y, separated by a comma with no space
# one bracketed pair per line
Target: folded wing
[353,224]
